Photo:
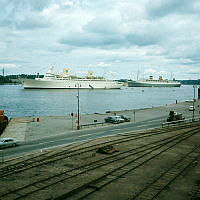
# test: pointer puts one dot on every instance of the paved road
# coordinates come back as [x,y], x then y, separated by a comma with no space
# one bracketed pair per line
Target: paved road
[78,136]
[70,137]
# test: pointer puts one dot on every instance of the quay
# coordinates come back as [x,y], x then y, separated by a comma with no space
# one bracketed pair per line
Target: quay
[37,127]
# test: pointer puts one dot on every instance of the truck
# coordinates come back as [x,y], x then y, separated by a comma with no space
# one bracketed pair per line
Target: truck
[174,116]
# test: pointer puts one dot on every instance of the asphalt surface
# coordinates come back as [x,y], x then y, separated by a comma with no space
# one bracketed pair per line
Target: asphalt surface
[39,136]
[27,147]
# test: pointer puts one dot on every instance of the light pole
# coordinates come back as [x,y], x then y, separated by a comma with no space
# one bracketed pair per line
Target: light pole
[78,121]
[193,104]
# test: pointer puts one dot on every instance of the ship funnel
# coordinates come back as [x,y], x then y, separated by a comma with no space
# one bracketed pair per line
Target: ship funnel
[65,72]
[51,70]
[150,77]
[90,74]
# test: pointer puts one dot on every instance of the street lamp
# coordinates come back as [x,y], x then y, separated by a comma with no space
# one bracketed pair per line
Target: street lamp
[193,103]
[134,115]
[78,121]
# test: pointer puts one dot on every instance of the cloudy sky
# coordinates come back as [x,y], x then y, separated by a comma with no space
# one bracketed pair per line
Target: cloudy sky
[114,38]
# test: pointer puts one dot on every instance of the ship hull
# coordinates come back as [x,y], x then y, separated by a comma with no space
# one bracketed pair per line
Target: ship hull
[156,84]
[70,84]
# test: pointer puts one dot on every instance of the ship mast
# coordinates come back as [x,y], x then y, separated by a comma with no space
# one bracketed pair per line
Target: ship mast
[137,75]
[3,71]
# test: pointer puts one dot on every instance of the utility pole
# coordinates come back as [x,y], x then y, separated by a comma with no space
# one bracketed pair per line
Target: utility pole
[78,121]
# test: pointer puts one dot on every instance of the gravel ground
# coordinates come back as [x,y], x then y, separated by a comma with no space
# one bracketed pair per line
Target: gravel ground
[183,187]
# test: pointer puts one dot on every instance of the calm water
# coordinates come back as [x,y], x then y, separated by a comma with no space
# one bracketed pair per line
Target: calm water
[19,102]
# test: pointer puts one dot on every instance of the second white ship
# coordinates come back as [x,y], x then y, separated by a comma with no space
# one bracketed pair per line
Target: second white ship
[68,81]
[154,83]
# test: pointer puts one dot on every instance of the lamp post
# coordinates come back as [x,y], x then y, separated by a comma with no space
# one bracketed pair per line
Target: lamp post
[134,115]
[193,104]
[78,108]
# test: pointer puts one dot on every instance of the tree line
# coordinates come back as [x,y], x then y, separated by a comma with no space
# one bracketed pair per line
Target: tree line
[14,78]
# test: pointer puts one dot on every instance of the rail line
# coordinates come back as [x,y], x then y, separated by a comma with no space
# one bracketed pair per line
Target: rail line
[89,188]
[45,159]
[168,176]
[145,150]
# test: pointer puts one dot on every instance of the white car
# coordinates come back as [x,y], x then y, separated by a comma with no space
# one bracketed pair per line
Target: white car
[189,100]
[191,108]
[8,142]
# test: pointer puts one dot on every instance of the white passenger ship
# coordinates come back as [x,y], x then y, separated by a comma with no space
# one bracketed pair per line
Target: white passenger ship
[68,81]
[150,82]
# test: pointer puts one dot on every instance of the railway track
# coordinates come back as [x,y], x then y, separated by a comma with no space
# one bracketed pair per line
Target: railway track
[82,192]
[160,183]
[132,159]
[48,158]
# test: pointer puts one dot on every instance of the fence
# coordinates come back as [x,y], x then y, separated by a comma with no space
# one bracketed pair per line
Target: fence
[93,124]
[190,120]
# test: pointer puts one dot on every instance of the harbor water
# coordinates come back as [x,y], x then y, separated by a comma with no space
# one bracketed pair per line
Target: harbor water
[19,102]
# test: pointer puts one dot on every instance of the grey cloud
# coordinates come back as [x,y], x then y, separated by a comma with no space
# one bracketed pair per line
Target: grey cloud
[32,22]
[13,61]
[107,30]
[81,39]
[193,73]
[5,23]
[23,14]
[143,39]
[161,8]
[102,25]
[21,5]
[184,53]
[127,33]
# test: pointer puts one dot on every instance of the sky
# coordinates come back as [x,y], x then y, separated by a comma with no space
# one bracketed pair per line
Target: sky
[114,38]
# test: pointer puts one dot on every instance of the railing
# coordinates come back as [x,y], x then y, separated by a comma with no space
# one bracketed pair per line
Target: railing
[92,124]
[190,120]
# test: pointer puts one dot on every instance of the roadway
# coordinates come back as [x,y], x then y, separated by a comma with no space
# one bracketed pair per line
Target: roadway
[71,137]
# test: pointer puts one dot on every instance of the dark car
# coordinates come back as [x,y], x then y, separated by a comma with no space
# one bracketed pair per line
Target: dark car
[126,119]
[114,119]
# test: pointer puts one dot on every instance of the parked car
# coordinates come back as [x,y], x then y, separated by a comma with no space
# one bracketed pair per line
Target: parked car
[126,119]
[191,100]
[191,108]
[114,119]
[8,142]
